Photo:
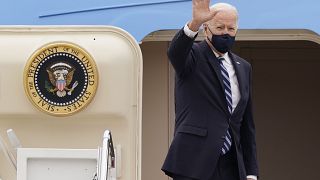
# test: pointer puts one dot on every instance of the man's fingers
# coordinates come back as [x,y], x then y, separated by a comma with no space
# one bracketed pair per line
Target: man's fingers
[201,2]
[207,2]
[196,2]
[200,11]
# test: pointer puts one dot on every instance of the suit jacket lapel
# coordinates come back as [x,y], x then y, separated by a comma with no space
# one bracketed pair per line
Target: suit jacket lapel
[213,62]
[239,69]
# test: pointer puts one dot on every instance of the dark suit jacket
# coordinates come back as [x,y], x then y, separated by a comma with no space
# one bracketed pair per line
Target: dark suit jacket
[202,117]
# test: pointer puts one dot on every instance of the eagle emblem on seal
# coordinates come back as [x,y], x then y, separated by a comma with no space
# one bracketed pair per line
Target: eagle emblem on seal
[60,76]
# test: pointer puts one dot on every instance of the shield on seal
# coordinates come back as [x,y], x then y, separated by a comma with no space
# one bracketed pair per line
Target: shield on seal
[61,84]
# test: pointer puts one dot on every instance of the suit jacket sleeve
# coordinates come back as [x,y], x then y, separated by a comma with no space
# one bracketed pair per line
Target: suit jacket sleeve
[180,53]
[248,141]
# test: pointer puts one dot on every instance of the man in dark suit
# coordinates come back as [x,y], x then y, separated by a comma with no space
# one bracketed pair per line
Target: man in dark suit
[214,130]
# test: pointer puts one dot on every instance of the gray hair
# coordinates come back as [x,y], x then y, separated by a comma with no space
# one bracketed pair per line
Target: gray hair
[225,6]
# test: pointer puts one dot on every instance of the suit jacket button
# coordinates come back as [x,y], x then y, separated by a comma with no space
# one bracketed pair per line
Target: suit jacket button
[223,137]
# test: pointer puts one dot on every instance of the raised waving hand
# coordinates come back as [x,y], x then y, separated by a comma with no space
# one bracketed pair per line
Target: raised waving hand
[200,14]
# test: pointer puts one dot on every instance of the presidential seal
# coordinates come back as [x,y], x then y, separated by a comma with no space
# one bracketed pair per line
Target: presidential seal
[60,78]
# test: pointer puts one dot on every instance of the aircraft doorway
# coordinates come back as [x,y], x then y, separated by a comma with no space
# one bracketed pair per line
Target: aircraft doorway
[286,104]
[286,98]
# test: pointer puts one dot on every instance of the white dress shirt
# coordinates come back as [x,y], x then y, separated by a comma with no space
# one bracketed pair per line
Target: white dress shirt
[232,76]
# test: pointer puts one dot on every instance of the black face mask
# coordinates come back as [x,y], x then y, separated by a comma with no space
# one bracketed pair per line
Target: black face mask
[222,43]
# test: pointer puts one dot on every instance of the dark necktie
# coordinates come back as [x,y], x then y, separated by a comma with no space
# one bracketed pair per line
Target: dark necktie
[227,90]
